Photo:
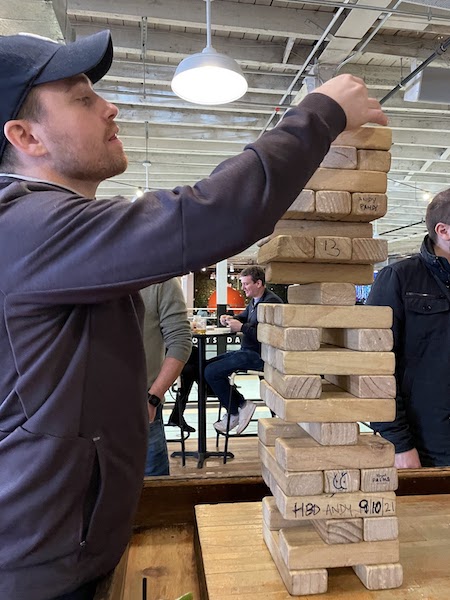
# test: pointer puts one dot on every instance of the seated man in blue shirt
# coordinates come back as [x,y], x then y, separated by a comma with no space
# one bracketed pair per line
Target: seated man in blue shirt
[219,368]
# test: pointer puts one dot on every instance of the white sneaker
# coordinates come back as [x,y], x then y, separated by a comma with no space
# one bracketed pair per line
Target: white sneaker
[245,414]
[221,425]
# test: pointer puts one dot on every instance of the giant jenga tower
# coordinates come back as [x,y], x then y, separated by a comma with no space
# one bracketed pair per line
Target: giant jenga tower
[328,365]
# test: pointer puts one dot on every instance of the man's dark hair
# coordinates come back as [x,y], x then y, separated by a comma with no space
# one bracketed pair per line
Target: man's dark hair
[438,211]
[31,110]
[255,273]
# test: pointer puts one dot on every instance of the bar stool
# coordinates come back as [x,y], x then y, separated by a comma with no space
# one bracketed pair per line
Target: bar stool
[183,434]
[227,434]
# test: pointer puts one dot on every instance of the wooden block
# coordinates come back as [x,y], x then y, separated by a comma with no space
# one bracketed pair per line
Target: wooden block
[307,483]
[290,338]
[303,454]
[329,359]
[315,228]
[272,517]
[369,250]
[348,181]
[304,203]
[332,249]
[371,138]
[340,294]
[363,340]
[265,312]
[380,577]
[270,429]
[332,205]
[366,386]
[367,317]
[293,386]
[300,548]
[379,480]
[341,481]
[334,405]
[342,157]
[333,434]
[286,248]
[373,160]
[284,272]
[297,582]
[377,530]
[340,531]
[367,207]
[334,506]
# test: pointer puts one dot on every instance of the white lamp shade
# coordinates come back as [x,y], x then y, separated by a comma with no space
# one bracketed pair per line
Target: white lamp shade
[209,78]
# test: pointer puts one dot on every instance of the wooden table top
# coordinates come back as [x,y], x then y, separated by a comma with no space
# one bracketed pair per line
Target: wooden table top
[237,564]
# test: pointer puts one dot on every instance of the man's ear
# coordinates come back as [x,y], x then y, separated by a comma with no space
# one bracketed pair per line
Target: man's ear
[21,134]
[443,231]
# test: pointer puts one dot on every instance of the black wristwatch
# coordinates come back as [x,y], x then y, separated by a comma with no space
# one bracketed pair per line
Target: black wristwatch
[154,400]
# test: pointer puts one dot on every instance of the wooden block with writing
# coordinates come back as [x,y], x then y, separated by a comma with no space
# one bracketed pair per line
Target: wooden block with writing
[379,480]
[304,204]
[315,228]
[363,340]
[373,160]
[369,251]
[270,429]
[307,483]
[367,207]
[333,434]
[293,386]
[333,405]
[348,181]
[290,338]
[272,517]
[334,506]
[303,454]
[340,294]
[332,205]
[339,531]
[332,249]
[368,317]
[299,549]
[380,577]
[297,582]
[377,530]
[366,386]
[341,481]
[342,157]
[287,248]
[284,272]
[329,359]
[371,138]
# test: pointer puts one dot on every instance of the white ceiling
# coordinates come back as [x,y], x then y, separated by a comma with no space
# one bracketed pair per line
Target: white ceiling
[275,42]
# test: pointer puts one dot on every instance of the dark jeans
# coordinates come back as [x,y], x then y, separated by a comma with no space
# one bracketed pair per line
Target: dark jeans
[219,368]
[85,592]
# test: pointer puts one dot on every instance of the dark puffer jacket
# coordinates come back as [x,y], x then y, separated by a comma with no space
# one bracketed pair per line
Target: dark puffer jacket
[418,291]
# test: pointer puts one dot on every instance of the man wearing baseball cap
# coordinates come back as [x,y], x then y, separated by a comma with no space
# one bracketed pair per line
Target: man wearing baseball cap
[73,414]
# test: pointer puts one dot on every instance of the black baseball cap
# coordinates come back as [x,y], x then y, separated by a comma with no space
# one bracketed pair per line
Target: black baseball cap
[26,60]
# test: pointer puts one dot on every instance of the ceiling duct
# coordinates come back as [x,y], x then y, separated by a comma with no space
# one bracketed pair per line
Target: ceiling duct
[441,4]
[431,85]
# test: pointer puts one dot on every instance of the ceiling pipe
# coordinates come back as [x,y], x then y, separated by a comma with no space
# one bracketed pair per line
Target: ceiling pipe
[308,59]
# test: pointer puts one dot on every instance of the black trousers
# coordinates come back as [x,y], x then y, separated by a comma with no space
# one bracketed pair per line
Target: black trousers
[85,592]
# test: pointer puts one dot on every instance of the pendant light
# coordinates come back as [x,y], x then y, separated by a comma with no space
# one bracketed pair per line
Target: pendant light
[209,77]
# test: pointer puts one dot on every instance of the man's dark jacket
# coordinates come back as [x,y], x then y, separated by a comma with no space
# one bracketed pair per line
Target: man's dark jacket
[73,415]
[248,318]
[418,291]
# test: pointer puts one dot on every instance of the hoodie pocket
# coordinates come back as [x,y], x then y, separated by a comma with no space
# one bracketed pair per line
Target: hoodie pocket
[44,482]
